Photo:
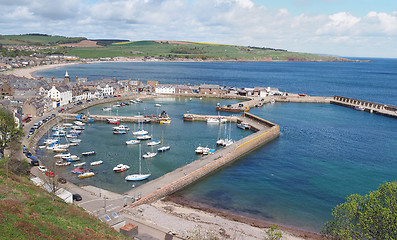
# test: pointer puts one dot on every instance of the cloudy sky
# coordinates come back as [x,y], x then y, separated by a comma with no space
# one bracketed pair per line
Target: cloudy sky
[355,28]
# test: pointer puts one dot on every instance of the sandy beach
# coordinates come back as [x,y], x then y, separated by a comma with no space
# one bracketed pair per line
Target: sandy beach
[28,72]
[185,221]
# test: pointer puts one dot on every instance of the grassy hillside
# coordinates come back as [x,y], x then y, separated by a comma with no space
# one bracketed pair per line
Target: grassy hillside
[164,49]
[28,212]
[37,39]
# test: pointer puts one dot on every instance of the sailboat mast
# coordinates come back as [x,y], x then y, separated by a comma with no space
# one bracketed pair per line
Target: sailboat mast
[139,158]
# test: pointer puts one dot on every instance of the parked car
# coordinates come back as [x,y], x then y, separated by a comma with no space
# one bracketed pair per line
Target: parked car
[34,163]
[50,174]
[42,168]
[77,197]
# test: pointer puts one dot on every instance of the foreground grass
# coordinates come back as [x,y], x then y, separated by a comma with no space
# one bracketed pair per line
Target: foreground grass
[28,212]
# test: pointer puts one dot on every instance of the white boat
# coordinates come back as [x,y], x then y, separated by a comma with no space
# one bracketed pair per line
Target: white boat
[153,143]
[359,108]
[71,135]
[212,120]
[140,132]
[71,157]
[272,101]
[62,164]
[86,174]
[228,142]
[144,137]
[96,163]
[121,168]
[59,149]
[121,128]
[55,147]
[116,105]
[51,141]
[75,132]
[76,127]
[59,133]
[157,105]
[62,155]
[79,164]
[220,142]
[73,144]
[113,120]
[164,148]
[132,142]
[75,140]
[199,150]
[106,109]
[149,155]
[42,146]
[67,125]
[206,150]
[222,120]
[243,125]
[139,176]
[78,123]
[88,153]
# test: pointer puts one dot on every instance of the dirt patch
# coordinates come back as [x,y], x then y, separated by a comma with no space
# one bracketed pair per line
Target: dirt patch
[84,43]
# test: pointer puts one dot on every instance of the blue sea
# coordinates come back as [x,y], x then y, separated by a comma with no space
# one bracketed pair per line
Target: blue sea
[324,153]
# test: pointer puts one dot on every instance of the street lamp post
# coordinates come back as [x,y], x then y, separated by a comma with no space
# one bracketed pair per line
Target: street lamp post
[133,187]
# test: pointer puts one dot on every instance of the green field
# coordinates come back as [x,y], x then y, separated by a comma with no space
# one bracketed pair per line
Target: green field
[28,212]
[166,50]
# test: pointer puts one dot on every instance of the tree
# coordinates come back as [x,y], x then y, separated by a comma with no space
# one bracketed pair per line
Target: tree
[373,216]
[9,130]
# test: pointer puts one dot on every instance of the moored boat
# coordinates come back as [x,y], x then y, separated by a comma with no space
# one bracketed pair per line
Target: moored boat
[132,142]
[88,153]
[121,128]
[86,174]
[113,120]
[121,168]
[144,137]
[149,155]
[106,109]
[243,125]
[164,148]
[61,163]
[62,155]
[212,120]
[96,163]
[140,132]
[79,123]
[165,122]
[79,164]
[153,143]
[119,132]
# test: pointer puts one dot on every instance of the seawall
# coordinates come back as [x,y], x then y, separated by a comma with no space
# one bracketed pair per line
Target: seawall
[188,174]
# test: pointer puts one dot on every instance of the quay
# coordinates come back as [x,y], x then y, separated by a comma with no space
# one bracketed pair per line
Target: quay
[186,175]
[260,101]
[382,109]
[135,119]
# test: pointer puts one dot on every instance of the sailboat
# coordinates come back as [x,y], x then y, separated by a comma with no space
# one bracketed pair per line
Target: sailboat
[163,148]
[139,176]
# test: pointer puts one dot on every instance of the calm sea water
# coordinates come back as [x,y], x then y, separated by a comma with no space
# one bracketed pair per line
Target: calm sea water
[324,153]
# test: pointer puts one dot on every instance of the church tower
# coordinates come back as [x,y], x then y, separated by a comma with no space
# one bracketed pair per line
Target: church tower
[67,78]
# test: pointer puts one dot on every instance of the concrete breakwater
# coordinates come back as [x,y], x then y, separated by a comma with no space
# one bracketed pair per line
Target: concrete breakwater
[186,175]
[136,119]
[382,109]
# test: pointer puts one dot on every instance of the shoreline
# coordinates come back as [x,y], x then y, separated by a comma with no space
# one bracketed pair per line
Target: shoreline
[253,222]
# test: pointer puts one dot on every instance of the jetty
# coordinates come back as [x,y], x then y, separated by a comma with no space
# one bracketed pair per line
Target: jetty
[382,109]
[186,175]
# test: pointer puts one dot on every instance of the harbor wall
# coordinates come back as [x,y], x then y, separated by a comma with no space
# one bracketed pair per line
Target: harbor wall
[240,148]
[371,107]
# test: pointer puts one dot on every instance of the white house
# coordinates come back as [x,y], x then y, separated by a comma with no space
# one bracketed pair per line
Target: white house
[105,90]
[60,95]
[165,89]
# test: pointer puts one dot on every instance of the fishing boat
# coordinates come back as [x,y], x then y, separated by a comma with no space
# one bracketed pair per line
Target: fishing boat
[164,148]
[132,142]
[113,121]
[153,143]
[121,168]
[106,109]
[79,123]
[96,163]
[62,164]
[86,174]
[119,132]
[243,125]
[144,137]
[139,176]
[79,164]
[149,154]
[121,128]
[88,153]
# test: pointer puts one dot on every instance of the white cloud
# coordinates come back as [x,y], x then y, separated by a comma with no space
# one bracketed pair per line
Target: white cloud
[224,21]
